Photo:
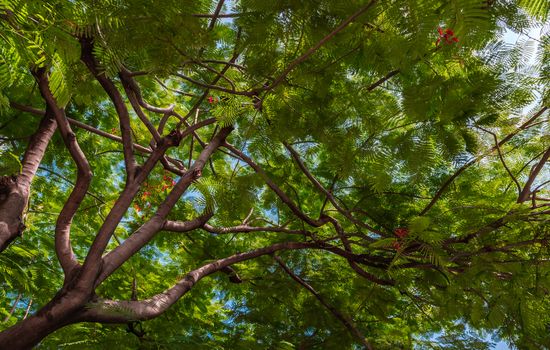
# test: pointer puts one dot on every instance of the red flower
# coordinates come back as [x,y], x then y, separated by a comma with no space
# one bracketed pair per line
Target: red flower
[448,35]
[396,245]
[401,232]
[210,99]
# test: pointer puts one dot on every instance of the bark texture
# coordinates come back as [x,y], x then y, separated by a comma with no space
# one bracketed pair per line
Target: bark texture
[15,189]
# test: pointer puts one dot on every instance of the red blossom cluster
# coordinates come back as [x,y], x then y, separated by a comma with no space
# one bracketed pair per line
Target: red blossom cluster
[400,232]
[446,35]
[153,189]
[213,100]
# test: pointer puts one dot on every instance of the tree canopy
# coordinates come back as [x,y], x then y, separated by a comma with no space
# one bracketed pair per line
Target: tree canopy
[256,174]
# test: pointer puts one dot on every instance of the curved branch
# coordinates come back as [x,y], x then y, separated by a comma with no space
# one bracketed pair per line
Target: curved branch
[63,246]
[158,304]
[124,117]
[128,85]
[16,190]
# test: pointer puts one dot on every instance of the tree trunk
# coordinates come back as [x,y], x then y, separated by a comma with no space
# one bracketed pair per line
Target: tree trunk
[14,190]
[28,333]
[12,205]
[62,310]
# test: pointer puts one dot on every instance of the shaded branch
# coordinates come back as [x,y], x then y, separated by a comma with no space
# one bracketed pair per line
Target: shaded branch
[327,194]
[124,117]
[446,184]
[346,320]
[526,192]
[314,48]
[283,196]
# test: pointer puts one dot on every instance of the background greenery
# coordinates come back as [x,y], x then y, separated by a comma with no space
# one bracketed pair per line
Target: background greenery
[384,152]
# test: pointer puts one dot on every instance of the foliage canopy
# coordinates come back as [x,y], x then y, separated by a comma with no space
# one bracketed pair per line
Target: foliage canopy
[342,174]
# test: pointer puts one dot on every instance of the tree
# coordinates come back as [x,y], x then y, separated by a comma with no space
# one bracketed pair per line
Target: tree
[345,173]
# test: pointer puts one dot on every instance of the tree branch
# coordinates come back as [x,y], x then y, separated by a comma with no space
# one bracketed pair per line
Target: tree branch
[93,264]
[246,228]
[518,186]
[93,130]
[314,48]
[124,117]
[147,231]
[321,188]
[526,192]
[63,246]
[101,311]
[283,196]
[346,320]
[216,14]
[16,190]
[446,184]
[128,85]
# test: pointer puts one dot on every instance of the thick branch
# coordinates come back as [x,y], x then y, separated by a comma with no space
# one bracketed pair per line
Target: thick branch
[186,226]
[158,304]
[92,264]
[147,231]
